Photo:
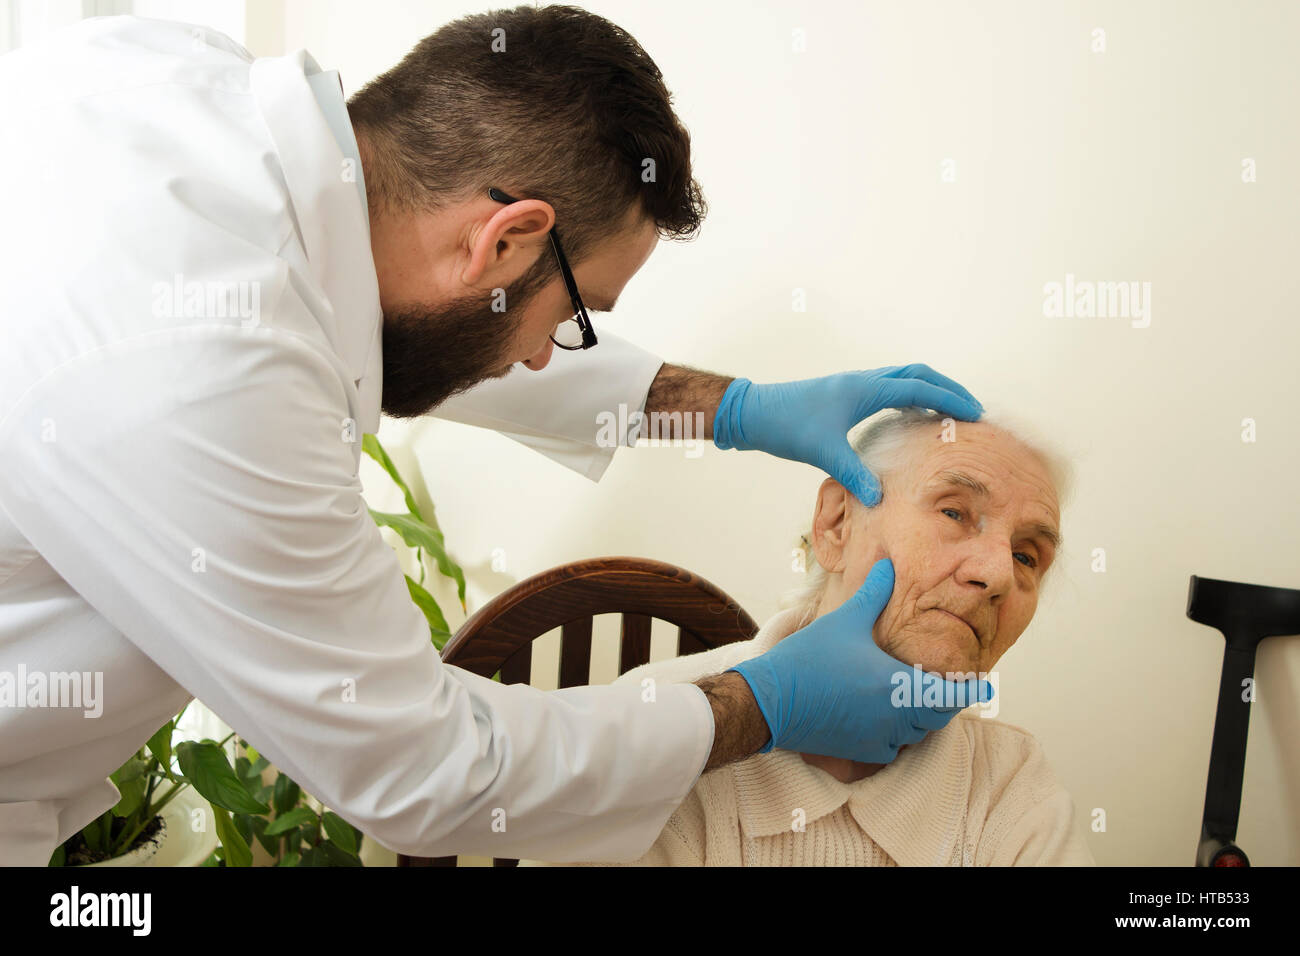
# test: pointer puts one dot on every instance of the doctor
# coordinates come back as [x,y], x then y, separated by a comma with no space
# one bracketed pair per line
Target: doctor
[213,275]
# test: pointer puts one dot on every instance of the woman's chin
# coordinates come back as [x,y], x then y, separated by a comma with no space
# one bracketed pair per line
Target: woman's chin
[952,664]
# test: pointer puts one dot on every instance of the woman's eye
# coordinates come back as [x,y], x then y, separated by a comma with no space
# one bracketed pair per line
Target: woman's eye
[1030,562]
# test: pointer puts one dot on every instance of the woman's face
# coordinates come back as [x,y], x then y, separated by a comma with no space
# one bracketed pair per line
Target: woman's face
[968,561]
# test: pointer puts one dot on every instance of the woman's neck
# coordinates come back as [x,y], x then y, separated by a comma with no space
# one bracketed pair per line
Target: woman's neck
[845,771]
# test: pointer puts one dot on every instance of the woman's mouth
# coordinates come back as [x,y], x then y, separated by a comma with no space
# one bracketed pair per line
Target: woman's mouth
[959,619]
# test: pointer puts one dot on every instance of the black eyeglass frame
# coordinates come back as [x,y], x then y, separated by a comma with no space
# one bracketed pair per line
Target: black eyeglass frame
[579,310]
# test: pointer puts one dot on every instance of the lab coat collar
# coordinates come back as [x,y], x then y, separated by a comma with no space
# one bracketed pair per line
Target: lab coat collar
[920,791]
[331,219]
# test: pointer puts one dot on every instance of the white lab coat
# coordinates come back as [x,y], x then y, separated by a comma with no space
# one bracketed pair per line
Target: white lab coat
[180,509]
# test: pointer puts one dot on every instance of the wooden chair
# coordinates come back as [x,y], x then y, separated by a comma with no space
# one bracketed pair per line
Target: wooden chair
[500,635]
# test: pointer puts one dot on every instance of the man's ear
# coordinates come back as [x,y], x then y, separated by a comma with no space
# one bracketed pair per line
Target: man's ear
[830,522]
[514,232]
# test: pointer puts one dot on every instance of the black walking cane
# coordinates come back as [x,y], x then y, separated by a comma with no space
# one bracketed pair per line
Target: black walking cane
[1246,614]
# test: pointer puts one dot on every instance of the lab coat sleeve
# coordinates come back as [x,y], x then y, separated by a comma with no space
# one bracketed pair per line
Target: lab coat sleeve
[685,836]
[576,411]
[197,486]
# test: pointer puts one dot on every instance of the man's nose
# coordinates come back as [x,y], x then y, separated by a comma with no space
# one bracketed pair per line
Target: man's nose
[542,358]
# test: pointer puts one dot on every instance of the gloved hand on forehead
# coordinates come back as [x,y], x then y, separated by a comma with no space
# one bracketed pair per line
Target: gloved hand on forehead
[809,420]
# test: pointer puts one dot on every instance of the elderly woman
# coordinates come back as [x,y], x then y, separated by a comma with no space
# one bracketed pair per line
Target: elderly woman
[970,518]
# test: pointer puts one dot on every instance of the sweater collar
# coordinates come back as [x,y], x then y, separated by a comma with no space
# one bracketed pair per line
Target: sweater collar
[913,808]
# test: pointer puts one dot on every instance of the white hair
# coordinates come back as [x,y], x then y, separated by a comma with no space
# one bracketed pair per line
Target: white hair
[885,444]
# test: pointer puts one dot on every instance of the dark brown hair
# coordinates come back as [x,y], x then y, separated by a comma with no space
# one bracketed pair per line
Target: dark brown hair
[569,113]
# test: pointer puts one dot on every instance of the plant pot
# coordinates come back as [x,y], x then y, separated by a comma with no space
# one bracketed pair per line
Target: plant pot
[176,843]
[141,853]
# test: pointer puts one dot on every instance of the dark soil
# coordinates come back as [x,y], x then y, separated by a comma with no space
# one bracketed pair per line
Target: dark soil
[80,855]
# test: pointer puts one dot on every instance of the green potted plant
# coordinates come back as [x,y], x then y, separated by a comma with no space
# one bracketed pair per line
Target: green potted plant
[289,825]
[132,831]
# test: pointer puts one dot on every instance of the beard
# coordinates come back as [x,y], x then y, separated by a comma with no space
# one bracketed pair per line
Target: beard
[434,352]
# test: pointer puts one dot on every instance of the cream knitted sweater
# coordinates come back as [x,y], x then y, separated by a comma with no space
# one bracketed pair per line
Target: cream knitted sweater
[976,793]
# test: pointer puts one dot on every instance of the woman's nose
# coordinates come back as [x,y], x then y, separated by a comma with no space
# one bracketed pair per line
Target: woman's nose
[542,358]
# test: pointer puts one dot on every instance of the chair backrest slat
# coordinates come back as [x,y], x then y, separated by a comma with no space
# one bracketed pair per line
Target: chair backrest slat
[688,643]
[518,667]
[634,648]
[575,653]
[499,636]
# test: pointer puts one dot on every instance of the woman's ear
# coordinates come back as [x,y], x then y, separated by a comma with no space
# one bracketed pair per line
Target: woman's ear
[830,523]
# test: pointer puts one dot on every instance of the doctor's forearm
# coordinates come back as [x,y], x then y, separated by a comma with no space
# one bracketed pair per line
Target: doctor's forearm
[676,395]
[739,729]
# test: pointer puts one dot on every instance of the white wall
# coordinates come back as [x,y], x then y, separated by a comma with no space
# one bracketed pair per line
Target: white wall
[823,171]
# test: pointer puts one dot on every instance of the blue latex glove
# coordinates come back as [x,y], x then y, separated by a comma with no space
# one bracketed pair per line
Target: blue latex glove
[829,689]
[809,420]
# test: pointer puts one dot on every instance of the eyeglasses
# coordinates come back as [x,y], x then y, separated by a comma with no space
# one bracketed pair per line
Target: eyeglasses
[575,333]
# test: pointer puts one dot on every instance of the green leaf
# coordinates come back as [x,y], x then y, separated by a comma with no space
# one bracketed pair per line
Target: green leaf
[414,532]
[249,772]
[438,629]
[252,752]
[132,796]
[237,851]
[160,745]
[270,844]
[341,832]
[290,820]
[90,832]
[335,855]
[286,794]
[311,857]
[60,856]
[370,445]
[214,859]
[133,769]
[289,859]
[132,779]
[251,776]
[417,534]
[244,824]
[264,793]
[206,767]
